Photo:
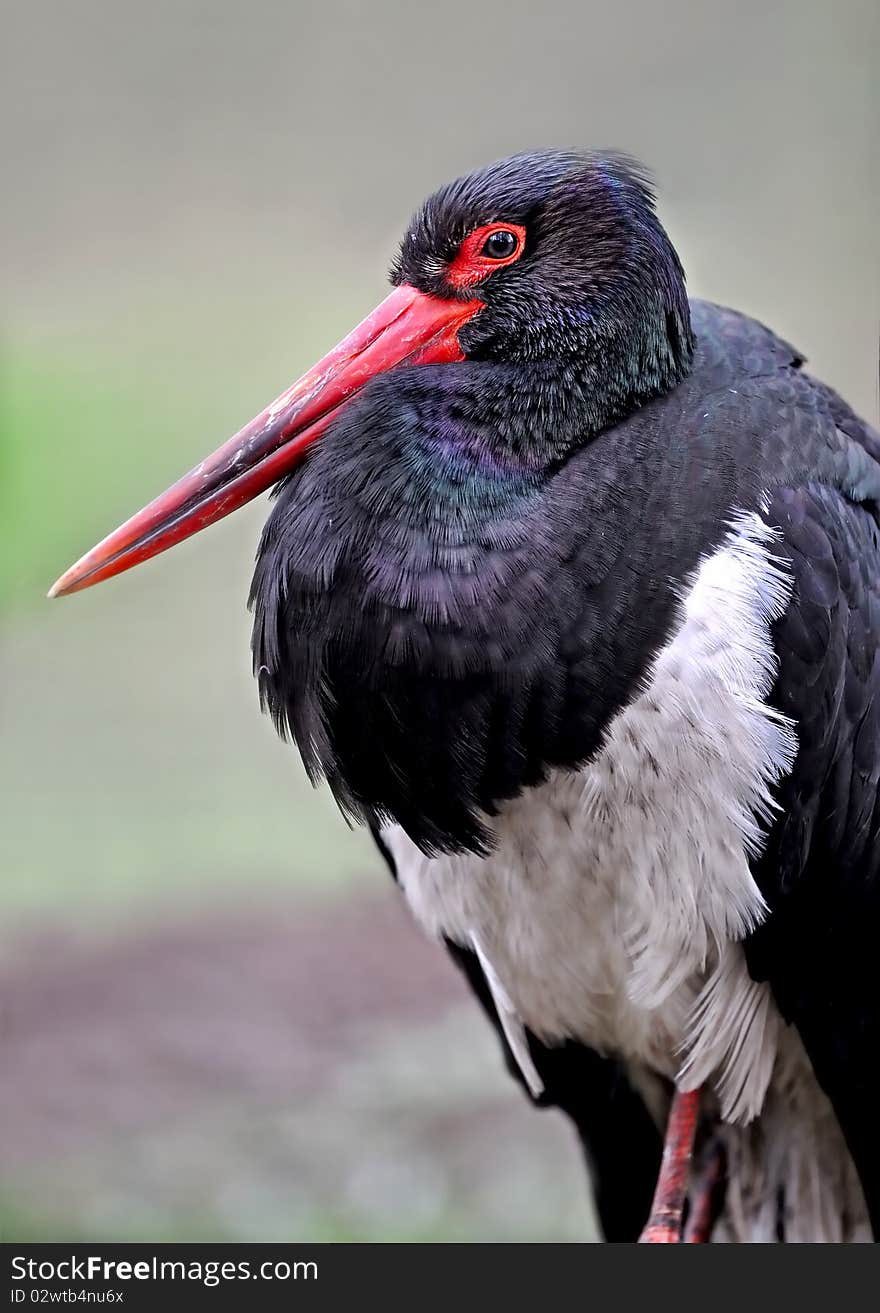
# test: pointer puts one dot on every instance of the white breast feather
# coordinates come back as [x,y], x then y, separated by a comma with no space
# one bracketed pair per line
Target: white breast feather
[611,905]
[614,902]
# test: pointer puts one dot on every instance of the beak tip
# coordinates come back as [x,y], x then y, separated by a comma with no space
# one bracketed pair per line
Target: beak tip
[62,586]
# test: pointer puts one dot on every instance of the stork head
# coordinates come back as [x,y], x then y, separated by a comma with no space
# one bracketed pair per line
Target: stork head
[553,260]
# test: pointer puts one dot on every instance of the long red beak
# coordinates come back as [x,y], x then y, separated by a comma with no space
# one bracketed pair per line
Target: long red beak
[409,327]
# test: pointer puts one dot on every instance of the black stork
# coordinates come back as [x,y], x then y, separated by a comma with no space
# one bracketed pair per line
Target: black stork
[571,592]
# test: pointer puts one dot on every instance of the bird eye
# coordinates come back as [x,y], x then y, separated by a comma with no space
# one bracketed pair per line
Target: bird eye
[500,245]
[494,244]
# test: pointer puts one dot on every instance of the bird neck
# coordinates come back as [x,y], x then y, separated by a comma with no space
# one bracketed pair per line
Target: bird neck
[489,431]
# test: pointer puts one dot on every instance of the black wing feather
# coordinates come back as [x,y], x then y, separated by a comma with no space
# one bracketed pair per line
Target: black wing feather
[820,872]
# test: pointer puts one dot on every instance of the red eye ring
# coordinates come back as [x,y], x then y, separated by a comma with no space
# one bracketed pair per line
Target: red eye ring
[471,265]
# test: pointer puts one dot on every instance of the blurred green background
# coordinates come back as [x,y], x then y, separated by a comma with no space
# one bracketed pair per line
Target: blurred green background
[216,1021]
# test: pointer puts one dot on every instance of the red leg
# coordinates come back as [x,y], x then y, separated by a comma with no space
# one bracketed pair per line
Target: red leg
[665,1223]
[704,1202]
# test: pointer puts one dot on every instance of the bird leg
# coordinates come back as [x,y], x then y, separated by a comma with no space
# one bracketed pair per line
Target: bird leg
[704,1197]
[664,1226]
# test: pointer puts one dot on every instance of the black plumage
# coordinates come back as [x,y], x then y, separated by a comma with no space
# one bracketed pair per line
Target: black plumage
[820,871]
[564,528]
[440,632]
[436,637]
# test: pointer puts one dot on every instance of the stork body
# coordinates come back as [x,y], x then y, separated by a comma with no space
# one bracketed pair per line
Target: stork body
[584,622]
[603,686]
